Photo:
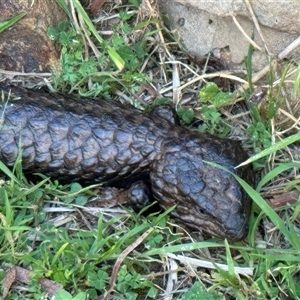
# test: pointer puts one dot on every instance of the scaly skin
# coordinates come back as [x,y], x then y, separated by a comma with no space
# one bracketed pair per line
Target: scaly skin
[95,140]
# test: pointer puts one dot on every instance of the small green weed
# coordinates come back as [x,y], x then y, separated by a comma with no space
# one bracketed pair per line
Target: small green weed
[129,281]
[213,122]
[88,27]
[259,135]
[74,68]
[64,295]
[212,119]
[186,115]
[198,291]
[212,94]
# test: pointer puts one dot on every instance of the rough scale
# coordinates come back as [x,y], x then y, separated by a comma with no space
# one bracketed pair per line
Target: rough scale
[97,140]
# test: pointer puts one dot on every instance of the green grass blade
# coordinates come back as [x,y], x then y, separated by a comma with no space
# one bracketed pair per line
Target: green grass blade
[6,24]
[58,253]
[276,171]
[248,64]
[297,81]
[9,214]
[16,228]
[7,220]
[266,208]
[63,5]
[162,215]
[99,235]
[230,262]
[279,145]
[9,173]
[180,248]
[35,187]
[283,76]
[132,233]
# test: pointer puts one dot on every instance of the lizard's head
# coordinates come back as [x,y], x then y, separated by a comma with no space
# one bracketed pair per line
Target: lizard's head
[207,198]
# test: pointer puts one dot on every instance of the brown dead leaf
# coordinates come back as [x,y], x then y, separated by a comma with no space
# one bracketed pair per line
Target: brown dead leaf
[109,197]
[49,286]
[284,199]
[96,5]
[9,279]
[22,275]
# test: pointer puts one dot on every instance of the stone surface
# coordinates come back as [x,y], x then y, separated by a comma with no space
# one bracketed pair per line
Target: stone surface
[25,46]
[205,26]
[282,15]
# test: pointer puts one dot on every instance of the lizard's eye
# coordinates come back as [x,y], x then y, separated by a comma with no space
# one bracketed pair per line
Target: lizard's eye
[201,211]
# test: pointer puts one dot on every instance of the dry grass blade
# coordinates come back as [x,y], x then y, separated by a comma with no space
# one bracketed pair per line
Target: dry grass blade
[248,38]
[248,271]
[291,47]
[120,260]
[13,73]
[86,35]
[225,74]
[257,26]
[295,124]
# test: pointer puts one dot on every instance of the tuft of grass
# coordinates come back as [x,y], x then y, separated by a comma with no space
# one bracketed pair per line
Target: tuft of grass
[115,58]
[113,67]
[80,259]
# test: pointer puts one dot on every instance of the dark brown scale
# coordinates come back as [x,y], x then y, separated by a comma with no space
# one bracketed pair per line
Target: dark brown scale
[97,140]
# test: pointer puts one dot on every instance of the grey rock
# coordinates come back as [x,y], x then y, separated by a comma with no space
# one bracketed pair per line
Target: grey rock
[208,26]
